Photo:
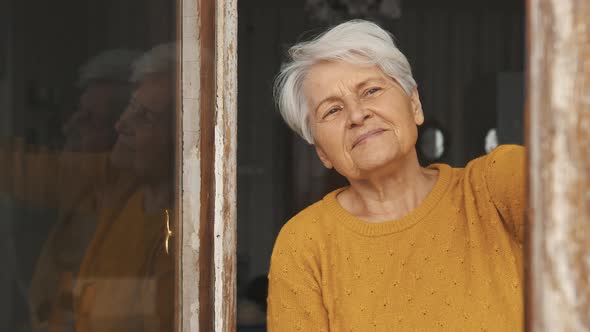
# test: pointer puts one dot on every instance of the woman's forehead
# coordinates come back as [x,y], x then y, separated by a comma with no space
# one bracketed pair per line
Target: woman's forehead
[154,92]
[326,78]
[341,69]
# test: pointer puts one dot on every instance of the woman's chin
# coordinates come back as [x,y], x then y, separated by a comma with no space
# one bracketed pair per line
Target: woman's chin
[375,157]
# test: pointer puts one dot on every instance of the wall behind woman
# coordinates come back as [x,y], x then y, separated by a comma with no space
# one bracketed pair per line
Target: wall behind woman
[453,47]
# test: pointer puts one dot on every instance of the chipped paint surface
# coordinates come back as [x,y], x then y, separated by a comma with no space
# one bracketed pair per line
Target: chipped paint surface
[559,160]
[224,160]
[191,166]
[225,222]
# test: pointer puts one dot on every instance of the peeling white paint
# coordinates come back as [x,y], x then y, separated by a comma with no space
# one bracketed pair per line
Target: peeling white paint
[194,242]
[225,165]
[191,167]
[194,318]
[564,60]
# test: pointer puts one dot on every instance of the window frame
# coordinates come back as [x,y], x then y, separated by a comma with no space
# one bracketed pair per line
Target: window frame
[206,160]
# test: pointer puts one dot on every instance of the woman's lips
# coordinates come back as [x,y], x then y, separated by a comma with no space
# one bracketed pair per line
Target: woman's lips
[367,135]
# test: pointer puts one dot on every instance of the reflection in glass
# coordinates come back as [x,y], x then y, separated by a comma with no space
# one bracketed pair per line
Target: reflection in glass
[87,164]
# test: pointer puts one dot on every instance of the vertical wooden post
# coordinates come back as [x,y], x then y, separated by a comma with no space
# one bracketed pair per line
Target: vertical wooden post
[558,274]
[225,219]
[207,203]
[188,241]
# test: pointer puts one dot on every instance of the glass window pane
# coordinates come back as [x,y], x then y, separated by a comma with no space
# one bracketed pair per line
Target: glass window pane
[87,131]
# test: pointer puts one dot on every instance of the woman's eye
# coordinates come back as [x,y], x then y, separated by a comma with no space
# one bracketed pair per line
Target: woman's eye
[372,91]
[331,111]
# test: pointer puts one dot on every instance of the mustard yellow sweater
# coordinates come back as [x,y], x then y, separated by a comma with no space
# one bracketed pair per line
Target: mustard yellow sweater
[452,264]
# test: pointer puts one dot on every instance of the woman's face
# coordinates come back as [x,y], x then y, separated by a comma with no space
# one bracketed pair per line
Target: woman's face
[362,121]
[145,128]
[90,128]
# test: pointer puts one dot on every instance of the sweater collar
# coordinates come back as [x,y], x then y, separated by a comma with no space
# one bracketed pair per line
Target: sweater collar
[392,226]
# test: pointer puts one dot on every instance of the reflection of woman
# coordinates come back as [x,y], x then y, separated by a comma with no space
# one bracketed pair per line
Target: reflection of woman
[70,182]
[126,279]
[402,247]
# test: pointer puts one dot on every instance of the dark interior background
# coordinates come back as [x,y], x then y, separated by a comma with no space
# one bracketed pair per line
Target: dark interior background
[42,46]
[467,58]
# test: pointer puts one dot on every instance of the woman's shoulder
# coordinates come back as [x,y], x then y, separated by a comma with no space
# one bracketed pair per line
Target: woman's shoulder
[505,154]
[308,219]
[306,227]
[500,164]
[502,173]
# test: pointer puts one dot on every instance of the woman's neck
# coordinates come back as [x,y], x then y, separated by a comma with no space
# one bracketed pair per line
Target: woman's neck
[390,195]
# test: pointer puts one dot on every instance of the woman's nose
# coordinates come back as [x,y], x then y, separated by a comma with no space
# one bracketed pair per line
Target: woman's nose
[121,124]
[357,114]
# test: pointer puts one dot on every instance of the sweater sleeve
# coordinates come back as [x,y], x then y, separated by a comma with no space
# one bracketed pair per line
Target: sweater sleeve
[28,176]
[505,178]
[45,178]
[295,297]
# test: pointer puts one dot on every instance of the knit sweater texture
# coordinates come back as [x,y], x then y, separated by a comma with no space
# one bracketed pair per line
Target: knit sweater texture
[452,264]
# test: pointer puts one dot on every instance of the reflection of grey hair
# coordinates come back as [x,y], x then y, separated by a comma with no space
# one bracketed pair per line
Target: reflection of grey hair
[356,41]
[160,59]
[108,66]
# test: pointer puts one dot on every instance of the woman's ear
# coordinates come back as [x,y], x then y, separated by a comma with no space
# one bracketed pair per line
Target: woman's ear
[417,107]
[323,157]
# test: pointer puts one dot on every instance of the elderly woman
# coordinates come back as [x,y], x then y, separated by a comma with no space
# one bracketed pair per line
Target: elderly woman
[403,247]
[126,279]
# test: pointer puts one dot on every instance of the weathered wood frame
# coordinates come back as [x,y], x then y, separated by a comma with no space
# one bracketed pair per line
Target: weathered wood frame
[559,162]
[558,134]
[206,199]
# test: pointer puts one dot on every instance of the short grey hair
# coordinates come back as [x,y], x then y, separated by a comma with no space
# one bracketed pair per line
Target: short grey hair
[108,66]
[355,41]
[160,59]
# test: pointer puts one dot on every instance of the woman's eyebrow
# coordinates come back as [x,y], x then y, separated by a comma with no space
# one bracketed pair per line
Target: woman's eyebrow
[358,86]
[325,100]
[369,81]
